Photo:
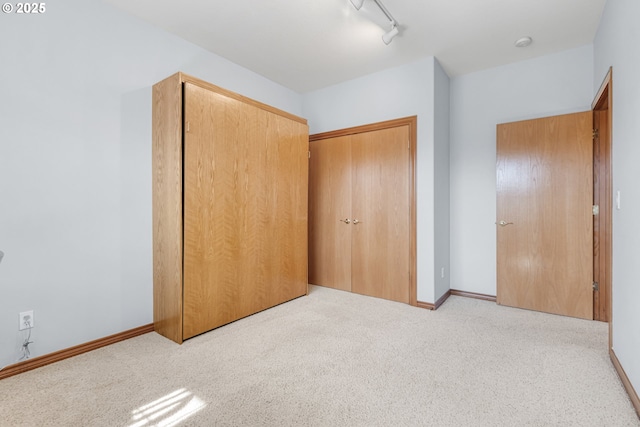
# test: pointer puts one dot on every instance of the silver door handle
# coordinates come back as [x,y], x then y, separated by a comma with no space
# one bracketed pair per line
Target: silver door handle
[346,221]
[504,223]
[355,221]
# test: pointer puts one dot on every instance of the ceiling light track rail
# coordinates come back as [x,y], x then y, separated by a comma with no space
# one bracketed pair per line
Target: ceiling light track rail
[385,11]
[389,35]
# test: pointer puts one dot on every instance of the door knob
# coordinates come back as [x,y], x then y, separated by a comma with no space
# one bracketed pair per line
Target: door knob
[355,221]
[504,223]
[346,221]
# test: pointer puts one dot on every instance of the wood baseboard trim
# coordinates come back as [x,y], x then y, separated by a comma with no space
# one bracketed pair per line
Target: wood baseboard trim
[435,306]
[38,362]
[442,299]
[474,295]
[425,305]
[633,396]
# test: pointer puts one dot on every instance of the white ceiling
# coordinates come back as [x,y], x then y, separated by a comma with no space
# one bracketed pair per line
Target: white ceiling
[309,44]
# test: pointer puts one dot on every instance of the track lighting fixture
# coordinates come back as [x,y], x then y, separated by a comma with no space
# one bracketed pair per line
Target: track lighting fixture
[388,36]
[357,3]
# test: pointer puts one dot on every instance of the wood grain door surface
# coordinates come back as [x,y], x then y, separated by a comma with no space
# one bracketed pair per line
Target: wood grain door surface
[602,221]
[245,209]
[359,213]
[380,209]
[330,213]
[544,201]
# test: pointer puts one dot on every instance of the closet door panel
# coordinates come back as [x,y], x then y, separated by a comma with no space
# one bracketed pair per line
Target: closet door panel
[380,209]
[283,264]
[212,209]
[244,210]
[329,209]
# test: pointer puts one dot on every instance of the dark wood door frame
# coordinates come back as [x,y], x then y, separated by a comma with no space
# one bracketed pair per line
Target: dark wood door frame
[602,197]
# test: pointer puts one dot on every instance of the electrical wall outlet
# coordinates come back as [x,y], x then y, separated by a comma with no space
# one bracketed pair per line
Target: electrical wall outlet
[26,320]
[442,273]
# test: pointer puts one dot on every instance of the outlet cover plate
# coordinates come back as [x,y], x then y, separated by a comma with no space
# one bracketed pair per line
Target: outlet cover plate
[26,317]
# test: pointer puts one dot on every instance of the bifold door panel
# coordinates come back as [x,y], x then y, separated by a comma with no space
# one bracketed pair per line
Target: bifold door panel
[359,213]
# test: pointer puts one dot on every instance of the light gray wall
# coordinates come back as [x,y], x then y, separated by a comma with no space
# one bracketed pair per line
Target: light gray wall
[616,45]
[397,92]
[549,85]
[75,166]
[442,188]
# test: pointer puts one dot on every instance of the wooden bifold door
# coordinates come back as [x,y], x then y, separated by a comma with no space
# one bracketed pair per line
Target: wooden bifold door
[360,187]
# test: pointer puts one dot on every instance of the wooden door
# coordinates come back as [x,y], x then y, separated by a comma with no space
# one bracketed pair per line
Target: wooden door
[245,209]
[330,213]
[544,215]
[380,211]
[360,212]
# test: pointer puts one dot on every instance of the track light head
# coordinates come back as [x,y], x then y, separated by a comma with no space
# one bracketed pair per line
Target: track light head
[388,36]
[357,3]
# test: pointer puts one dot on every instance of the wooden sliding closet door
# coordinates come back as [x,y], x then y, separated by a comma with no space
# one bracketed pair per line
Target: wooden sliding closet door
[245,209]
[330,213]
[381,221]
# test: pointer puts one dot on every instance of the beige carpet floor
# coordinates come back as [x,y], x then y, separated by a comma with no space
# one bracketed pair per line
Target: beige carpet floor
[340,359]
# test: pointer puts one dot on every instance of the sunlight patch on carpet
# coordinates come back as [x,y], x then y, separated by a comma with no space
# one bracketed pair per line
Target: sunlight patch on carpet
[168,410]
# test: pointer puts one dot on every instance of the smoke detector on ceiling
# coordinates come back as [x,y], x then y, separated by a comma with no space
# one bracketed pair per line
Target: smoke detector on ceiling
[524,41]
